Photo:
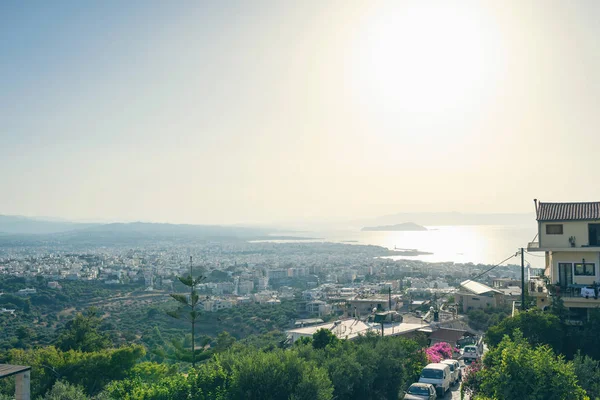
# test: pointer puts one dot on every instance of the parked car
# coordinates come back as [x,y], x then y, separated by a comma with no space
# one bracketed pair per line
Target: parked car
[471,352]
[421,391]
[455,369]
[439,376]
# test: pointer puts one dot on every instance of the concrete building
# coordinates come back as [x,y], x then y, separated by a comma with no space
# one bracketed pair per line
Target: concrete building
[446,335]
[569,237]
[54,285]
[262,283]
[364,306]
[26,292]
[216,305]
[275,274]
[352,328]
[318,307]
[22,376]
[245,287]
[474,295]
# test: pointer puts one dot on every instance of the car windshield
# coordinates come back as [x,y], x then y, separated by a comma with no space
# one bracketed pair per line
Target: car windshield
[432,374]
[451,365]
[470,349]
[418,390]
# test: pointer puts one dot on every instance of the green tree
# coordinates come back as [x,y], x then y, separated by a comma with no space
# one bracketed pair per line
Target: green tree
[585,338]
[187,309]
[65,391]
[151,371]
[91,370]
[322,338]
[224,341]
[278,374]
[588,374]
[240,373]
[535,326]
[81,333]
[516,370]
[368,368]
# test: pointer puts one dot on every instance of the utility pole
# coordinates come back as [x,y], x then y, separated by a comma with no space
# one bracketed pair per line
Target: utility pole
[390,298]
[522,280]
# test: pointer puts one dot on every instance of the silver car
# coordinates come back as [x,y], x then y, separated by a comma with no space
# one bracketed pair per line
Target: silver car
[421,391]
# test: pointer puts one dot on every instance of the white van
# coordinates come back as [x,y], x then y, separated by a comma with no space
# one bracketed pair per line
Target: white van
[454,369]
[470,353]
[439,375]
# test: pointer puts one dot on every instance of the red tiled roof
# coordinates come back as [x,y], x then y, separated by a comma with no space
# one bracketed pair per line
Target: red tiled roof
[568,211]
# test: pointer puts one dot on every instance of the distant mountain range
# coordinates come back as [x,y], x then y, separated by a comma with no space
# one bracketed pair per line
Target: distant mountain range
[17,225]
[407,226]
[17,228]
[449,218]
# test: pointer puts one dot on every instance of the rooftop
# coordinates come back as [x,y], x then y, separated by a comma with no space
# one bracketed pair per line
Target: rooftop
[345,329]
[7,370]
[477,288]
[447,335]
[567,211]
[352,328]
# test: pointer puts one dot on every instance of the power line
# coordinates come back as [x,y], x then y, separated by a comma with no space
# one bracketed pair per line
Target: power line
[534,255]
[495,266]
[481,274]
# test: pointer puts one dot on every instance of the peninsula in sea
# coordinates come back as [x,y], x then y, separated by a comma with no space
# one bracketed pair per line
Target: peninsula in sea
[407,226]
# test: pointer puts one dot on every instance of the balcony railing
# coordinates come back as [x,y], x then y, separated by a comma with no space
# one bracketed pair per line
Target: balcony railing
[576,291]
[537,286]
[533,245]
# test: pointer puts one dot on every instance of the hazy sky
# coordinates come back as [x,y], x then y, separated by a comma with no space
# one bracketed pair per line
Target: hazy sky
[269,111]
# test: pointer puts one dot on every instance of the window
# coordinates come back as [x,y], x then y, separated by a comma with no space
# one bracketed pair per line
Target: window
[554,229]
[587,269]
[565,274]
[418,390]
[428,373]
[594,234]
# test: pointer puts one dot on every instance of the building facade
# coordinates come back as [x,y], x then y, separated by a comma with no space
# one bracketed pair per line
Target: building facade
[569,236]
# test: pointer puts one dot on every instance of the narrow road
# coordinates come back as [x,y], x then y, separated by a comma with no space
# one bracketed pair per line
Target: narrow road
[454,393]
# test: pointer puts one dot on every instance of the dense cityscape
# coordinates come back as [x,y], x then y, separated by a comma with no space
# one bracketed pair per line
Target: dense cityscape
[269,292]
[299,200]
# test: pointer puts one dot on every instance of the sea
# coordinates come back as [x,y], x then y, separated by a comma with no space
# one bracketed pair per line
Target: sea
[477,244]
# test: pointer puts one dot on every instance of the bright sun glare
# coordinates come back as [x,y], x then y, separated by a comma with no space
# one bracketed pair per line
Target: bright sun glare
[424,58]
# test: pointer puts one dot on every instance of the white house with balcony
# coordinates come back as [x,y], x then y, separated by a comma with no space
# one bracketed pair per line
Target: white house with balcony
[569,236]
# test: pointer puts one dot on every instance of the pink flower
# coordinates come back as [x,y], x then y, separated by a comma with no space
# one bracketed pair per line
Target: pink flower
[439,352]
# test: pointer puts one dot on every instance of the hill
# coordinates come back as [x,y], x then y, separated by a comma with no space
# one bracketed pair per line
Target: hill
[18,225]
[407,226]
[23,231]
[450,218]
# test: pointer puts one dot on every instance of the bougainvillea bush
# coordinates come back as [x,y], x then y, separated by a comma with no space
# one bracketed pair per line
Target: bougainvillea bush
[438,352]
